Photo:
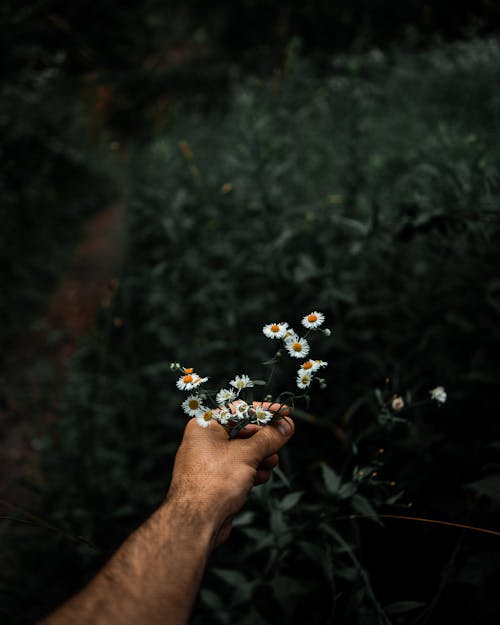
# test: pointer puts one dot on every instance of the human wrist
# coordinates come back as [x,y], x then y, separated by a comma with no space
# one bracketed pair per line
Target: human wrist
[190,519]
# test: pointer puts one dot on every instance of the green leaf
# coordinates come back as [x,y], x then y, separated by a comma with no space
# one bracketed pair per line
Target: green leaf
[365,508]
[277,471]
[331,479]
[233,578]
[291,500]
[487,488]
[245,518]
[347,490]
[404,606]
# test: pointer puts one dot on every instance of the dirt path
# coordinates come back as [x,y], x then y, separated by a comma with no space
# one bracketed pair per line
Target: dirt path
[37,366]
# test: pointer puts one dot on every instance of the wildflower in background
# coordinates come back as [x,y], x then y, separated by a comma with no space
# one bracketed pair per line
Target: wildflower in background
[438,394]
[192,405]
[224,396]
[275,330]
[241,381]
[297,347]
[397,403]
[263,416]
[313,320]
[304,380]
[204,417]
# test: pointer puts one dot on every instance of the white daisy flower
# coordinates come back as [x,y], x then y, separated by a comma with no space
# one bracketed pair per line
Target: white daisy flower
[204,417]
[263,416]
[313,320]
[192,405]
[438,394]
[275,330]
[289,334]
[241,381]
[187,381]
[223,416]
[310,366]
[321,363]
[297,347]
[241,410]
[225,395]
[304,380]
[197,381]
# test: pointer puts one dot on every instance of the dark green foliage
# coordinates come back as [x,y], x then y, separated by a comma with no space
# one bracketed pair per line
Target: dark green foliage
[51,178]
[371,195]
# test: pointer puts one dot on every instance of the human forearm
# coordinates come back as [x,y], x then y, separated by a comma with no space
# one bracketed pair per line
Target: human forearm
[153,578]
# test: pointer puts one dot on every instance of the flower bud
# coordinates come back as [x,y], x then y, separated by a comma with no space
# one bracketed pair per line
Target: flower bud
[397,403]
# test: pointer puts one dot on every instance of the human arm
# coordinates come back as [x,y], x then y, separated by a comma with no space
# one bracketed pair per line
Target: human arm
[155,575]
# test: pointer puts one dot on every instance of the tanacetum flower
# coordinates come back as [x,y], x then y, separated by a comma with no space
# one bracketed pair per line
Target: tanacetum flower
[187,381]
[263,416]
[275,330]
[197,381]
[438,394]
[241,381]
[204,417]
[398,403]
[321,363]
[304,380]
[192,405]
[223,415]
[225,395]
[241,410]
[297,347]
[311,366]
[313,320]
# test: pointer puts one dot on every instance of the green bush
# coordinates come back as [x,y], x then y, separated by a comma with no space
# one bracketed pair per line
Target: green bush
[52,178]
[371,195]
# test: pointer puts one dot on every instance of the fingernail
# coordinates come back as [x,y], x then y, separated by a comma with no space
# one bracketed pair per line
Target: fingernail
[284,427]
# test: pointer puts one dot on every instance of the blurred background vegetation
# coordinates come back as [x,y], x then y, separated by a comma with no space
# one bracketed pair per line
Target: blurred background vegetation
[256,161]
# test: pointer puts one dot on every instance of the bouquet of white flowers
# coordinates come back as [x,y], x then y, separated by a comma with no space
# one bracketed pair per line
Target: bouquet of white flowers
[230,406]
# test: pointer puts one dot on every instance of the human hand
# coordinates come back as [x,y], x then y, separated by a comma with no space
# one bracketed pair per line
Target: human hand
[213,475]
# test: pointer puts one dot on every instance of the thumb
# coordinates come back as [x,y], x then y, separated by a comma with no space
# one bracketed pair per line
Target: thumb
[269,440]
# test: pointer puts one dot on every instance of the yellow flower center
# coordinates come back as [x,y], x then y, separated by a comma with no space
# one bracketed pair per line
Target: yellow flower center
[275,327]
[307,365]
[188,371]
[187,379]
[312,318]
[297,347]
[193,404]
[207,415]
